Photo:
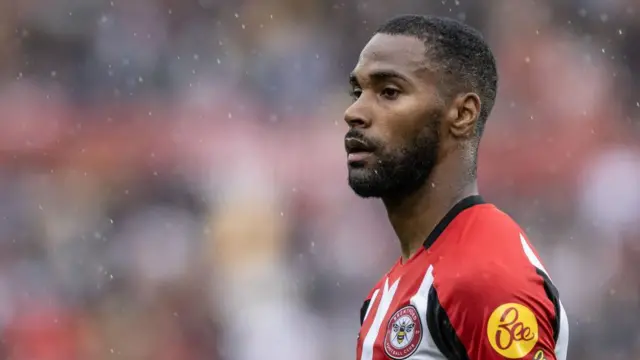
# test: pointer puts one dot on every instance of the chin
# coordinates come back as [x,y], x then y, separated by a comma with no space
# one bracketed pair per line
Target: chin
[367,183]
[382,183]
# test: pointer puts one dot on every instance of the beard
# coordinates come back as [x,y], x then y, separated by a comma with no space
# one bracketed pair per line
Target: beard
[398,172]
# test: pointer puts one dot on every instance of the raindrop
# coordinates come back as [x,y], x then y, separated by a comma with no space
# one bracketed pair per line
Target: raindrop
[527,59]
[218,61]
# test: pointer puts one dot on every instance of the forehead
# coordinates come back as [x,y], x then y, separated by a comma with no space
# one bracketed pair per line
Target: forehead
[404,54]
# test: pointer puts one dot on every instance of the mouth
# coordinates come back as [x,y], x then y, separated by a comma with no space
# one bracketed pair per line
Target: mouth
[357,150]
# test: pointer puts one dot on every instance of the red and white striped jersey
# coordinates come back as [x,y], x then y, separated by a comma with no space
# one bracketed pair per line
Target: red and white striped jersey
[476,290]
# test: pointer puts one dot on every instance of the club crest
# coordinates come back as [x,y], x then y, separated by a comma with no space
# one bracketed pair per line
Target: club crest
[404,333]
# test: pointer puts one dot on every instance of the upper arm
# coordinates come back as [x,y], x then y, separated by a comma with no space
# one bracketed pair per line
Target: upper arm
[496,313]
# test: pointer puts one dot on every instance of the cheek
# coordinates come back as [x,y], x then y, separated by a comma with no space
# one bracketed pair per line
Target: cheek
[408,120]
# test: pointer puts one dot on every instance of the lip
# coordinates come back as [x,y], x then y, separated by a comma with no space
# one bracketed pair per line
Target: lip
[353,146]
[358,157]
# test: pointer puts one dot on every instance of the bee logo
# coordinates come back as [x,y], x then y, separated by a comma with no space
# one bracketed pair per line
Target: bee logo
[402,329]
[404,333]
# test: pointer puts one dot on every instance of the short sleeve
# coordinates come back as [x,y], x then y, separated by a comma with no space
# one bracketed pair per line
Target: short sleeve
[494,313]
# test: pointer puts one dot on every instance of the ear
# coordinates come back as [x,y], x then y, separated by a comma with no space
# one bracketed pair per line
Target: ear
[465,111]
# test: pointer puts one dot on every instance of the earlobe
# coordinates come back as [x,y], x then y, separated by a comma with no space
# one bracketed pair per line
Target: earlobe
[468,111]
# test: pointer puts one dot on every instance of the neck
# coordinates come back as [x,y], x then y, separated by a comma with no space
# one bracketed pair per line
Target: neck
[414,217]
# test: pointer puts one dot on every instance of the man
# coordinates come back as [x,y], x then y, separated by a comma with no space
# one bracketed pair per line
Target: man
[468,284]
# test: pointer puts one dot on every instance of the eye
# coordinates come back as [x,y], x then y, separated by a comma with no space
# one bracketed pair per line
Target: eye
[390,93]
[355,93]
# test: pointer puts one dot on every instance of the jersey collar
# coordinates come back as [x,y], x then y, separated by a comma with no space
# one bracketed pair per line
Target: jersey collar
[448,218]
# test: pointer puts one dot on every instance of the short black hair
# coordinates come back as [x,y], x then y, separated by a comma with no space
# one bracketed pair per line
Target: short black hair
[455,51]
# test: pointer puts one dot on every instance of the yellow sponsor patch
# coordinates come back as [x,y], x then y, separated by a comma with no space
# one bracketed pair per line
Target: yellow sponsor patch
[539,355]
[512,330]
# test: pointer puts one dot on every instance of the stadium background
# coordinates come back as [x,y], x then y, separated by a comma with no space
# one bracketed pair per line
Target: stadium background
[172,183]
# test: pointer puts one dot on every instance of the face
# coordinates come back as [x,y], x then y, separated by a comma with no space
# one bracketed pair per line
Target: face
[394,122]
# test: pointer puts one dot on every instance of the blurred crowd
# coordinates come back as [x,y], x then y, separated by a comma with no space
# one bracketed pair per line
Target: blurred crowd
[173,184]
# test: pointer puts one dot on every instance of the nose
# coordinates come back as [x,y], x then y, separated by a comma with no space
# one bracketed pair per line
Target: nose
[358,115]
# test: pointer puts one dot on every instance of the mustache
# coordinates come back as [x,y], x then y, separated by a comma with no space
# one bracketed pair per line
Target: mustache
[357,135]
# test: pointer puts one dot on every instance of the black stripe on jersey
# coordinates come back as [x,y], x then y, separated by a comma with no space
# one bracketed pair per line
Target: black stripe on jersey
[363,310]
[448,218]
[442,332]
[554,296]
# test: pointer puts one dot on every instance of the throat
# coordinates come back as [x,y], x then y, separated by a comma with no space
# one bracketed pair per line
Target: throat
[414,217]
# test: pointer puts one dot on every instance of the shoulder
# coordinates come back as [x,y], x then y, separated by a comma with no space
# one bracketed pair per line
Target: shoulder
[490,277]
[485,222]
[485,244]
[492,262]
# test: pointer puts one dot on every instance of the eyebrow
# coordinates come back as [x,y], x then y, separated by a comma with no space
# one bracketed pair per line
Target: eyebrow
[379,76]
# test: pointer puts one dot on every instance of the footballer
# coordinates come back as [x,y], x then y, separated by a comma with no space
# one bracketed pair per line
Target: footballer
[469,284]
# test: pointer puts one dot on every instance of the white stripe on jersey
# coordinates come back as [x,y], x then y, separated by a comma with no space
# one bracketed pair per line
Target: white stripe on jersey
[428,350]
[383,307]
[563,337]
[373,300]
